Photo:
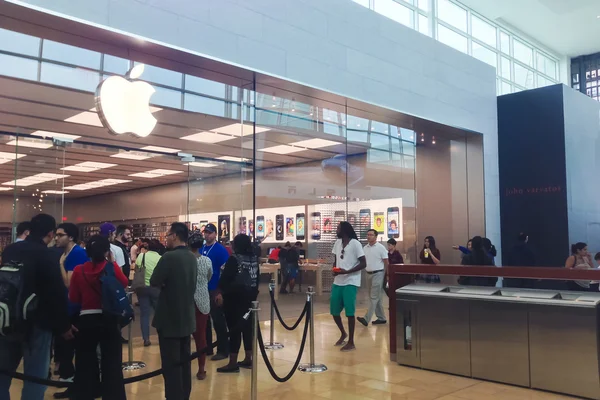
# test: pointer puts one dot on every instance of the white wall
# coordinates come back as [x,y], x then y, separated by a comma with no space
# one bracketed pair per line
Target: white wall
[334,45]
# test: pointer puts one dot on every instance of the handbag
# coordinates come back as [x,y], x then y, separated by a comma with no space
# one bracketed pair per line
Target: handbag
[139,278]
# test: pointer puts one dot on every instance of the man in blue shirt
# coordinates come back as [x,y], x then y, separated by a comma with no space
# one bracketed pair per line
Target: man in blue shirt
[218,255]
[67,235]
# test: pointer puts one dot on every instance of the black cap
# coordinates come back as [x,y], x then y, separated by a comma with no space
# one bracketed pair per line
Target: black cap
[210,228]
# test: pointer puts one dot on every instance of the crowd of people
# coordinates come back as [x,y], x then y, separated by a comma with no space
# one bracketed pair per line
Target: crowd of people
[188,283]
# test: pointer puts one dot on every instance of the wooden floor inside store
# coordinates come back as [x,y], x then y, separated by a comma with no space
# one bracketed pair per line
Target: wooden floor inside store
[365,373]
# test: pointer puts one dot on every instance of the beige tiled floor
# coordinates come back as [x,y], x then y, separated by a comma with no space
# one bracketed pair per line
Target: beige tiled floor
[366,373]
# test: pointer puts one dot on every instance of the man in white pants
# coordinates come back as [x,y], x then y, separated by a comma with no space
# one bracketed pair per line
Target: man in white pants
[377,265]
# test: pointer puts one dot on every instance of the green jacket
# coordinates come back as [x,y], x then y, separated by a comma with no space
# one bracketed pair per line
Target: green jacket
[175,275]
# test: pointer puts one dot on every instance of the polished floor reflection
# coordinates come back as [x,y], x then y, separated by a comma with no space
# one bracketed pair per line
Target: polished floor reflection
[365,373]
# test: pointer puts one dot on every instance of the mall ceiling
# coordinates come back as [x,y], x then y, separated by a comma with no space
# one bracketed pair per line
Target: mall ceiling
[569,27]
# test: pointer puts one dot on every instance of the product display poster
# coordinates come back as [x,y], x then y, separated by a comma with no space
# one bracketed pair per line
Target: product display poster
[289,227]
[379,221]
[224,226]
[300,226]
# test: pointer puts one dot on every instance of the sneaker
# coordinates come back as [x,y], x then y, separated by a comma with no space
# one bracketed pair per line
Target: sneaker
[201,376]
[380,322]
[147,343]
[362,321]
[219,357]
[245,364]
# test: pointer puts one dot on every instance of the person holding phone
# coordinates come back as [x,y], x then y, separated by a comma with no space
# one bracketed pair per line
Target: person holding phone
[348,262]
[429,255]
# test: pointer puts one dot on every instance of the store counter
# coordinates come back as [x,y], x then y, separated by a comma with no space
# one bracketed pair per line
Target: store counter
[544,339]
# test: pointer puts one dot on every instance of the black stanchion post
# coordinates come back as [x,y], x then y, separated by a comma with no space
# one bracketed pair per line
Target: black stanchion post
[272,345]
[131,365]
[311,367]
[254,382]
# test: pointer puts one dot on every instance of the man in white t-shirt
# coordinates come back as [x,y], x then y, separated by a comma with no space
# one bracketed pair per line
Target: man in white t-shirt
[349,261]
[377,265]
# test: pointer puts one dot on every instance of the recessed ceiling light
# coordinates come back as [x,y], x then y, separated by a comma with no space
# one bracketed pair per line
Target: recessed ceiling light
[315,143]
[6,157]
[55,192]
[97,184]
[85,118]
[133,155]
[156,173]
[201,164]
[33,143]
[35,179]
[5,189]
[160,149]
[207,137]
[282,149]
[236,129]
[55,135]
[88,166]
[229,158]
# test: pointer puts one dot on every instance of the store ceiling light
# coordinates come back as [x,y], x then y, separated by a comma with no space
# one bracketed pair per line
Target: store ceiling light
[85,118]
[33,143]
[236,129]
[282,149]
[156,173]
[315,143]
[97,184]
[88,166]
[35,179]
[133,155]
[6,157]
[55,135]
[229,158]
[201,164]
[208,137]
[5,189]
[55,192]
[160,149]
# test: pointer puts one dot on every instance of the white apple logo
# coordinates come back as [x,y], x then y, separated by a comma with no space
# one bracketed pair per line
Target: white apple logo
[124,105]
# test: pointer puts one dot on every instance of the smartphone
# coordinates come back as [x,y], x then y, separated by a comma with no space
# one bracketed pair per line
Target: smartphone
[260,227]
[352,220]
[327,228]
[338,217]
[279,227]
[269,227]
[379,222]
[251,228]
[364,221]
[300,226]
[223,227]
[289,227]
[202,225]
[242,225]
[393,214]
[316,225]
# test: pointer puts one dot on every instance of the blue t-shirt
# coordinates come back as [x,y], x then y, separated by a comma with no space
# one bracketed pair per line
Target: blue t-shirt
[218,255]
[76,257]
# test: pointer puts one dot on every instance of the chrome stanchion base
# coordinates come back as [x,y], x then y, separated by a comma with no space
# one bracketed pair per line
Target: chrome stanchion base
[273,346]
[312,368]
[133,365]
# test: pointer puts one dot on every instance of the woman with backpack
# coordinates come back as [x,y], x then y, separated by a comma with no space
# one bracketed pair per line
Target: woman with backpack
[97,328]
[239,286]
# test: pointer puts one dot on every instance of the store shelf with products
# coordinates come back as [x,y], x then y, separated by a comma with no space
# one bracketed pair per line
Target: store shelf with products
[5,236]
[151,228]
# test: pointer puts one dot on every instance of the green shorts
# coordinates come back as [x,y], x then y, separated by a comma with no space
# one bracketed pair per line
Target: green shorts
[343,298]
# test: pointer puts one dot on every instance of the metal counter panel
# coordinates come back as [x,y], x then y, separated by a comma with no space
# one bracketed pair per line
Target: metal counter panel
[564,350]
[499,342]
[444,335]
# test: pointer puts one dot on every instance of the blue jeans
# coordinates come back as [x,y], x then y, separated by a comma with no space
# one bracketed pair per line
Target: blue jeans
[148,298]
[35,353]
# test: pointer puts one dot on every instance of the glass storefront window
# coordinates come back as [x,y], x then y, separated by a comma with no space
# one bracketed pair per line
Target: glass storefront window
[115,65]
[73,77]
[452,39]
[15,42]
[70,55]
[546,65]
[395,11]
[452,14]
[523,52]
[19,67]
[484,54]
[483,31]
[524,76]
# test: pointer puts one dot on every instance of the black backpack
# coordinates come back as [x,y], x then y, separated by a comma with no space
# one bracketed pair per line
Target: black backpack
[18,301]
[114,297]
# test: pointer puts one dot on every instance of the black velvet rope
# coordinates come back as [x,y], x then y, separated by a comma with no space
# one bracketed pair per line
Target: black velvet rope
[263,352]
[289,328]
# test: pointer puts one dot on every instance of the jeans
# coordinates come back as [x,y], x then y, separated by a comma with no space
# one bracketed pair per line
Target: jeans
[375,286]
[148,298]
[64,352]
[178,381]
[35,353]
[218,320]
[94,330]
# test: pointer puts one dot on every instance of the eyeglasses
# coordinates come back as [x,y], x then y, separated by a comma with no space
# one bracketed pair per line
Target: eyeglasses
[170,234]
[342,254]
[60,235]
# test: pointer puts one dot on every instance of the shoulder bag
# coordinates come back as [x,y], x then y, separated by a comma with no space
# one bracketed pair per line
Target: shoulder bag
[139,278]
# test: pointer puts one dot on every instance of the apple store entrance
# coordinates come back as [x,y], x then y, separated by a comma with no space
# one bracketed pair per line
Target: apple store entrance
[105,133]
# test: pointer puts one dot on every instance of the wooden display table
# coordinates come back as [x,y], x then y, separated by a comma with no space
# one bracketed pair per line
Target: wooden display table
[318,268]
